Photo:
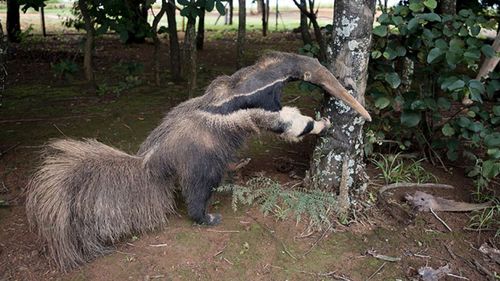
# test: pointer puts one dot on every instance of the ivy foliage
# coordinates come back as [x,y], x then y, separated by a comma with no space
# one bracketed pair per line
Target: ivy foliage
[423,65]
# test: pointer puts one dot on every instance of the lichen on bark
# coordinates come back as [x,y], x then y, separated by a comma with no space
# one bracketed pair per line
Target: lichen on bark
[348,55]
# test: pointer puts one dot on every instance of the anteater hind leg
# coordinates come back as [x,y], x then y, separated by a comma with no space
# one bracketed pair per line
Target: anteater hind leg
[197,193]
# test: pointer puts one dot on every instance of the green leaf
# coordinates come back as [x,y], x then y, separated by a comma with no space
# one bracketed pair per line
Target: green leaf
[376,54]
[488,51]
[220,7]
[476,127]
[456,85]
[490,169]
[476,89]
[382,102]
[441,44]
[463,122]
[448,130]
[209,5]
[410,118]
[397,20]
[496,110]
[431,4]
[492,140]
[412,24]
[393,79]
[443,103]
[475,29]
[183,2]
[494,153]
[434,54]
[416,7]
[380,30]
[473,55]
[431,17]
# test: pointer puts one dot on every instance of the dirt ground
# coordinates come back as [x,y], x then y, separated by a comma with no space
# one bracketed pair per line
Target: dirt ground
[247,245]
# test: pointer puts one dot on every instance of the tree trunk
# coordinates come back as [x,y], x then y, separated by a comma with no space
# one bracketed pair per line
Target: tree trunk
[190,56]
[200,36]
[348,60]
[42,17]
[489,64]
[264,17]
[317,30]
[13,21]
[304,28]
[448,7]
[3,60]
[175,50]
[231,9]
[157,42]
[240,44]
[89,41]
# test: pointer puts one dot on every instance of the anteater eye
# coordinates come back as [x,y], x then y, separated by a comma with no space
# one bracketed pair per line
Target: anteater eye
[307,76]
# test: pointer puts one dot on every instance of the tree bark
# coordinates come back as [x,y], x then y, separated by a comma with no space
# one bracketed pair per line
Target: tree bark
[175,50]
[264,17]
[42,17]
[348,60]
[4,45]
[190,55]
[304,28]
[157,42]
[240,43]
[89,41]
[200,36]
[489,64]
[13,21]
[231,9]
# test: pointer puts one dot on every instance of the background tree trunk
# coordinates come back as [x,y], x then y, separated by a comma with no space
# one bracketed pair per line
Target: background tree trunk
[317,29]
[190,55]
[348,60]
[175,50]
[240,44]
[157,42]
[264,17]
[13,21]
[89,41]
[231,9]
[304,28]
[3,60]
[200,36]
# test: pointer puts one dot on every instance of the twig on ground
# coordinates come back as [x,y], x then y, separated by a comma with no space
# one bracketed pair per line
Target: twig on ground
[317,240]
[62,133]
[453,256]
[223,231]
[413,185]
[376,271]
[220,251]
[484,270]
[229,262]
[158,245]
[383,257]
[457,276]
[285,249]
[442,221]
[8,149]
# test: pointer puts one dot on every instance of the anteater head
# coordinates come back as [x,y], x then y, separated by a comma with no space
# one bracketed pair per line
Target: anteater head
[311,70]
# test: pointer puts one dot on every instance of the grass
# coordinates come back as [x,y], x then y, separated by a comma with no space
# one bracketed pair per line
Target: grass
[394,169]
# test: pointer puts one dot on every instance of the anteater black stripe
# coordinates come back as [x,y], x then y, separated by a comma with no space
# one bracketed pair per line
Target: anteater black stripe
[309,127]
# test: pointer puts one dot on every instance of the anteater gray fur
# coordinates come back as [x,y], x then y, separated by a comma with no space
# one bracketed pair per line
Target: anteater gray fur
[86,195]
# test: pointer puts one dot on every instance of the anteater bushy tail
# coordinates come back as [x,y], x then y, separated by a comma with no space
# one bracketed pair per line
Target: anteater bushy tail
[87,195]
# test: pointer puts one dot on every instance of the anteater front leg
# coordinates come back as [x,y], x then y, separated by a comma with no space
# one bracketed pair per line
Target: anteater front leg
[289,123]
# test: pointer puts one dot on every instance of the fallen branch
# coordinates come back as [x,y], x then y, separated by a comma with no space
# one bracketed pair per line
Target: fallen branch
[376,271]
[158,245]
[442,221]
[383,257]
[413,185]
